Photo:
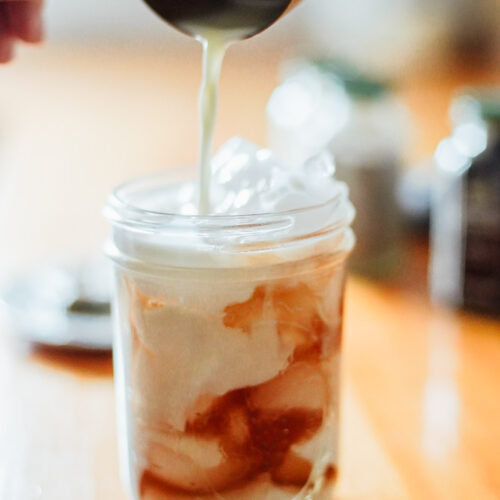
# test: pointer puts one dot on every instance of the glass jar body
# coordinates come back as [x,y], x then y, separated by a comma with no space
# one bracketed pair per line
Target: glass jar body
[227,349]
[228,382]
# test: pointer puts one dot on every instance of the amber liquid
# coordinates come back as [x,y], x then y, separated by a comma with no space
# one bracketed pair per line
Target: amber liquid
[272,436]
[244,17]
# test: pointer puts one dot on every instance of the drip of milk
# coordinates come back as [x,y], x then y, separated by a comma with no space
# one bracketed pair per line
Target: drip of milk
[214,49]
[215,43]
[216,24]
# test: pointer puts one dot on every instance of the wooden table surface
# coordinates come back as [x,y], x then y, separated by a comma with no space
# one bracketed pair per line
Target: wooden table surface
[421,406]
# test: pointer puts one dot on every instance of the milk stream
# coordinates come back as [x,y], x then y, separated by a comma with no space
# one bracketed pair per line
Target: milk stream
[216,23]
[214,49]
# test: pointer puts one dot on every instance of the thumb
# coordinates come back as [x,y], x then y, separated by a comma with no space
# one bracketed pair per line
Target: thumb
[25,19]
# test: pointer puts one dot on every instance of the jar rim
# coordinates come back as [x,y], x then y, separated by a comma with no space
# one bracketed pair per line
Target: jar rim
[142,237]
[121,211]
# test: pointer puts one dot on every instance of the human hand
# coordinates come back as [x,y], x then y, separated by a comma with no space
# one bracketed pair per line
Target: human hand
[19,20]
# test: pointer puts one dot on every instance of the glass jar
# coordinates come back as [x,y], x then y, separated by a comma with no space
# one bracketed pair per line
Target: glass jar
[465,263]
[369,156]
[327,105]
[227,347]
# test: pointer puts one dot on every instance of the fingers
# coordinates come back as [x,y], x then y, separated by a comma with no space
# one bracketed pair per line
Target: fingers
[6,49]
[25,19]
[6,39]
[19,20]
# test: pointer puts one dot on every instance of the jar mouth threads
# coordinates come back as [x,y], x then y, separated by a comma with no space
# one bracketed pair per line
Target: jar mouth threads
[124,210]
[153,236]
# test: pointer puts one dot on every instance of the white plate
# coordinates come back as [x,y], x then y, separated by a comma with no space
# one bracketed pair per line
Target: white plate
[40,306]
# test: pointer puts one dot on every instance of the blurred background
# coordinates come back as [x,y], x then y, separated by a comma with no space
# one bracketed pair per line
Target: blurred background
[403,93]
[112,94]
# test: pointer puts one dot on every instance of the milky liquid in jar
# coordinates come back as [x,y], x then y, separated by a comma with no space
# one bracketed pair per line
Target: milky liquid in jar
[228,331]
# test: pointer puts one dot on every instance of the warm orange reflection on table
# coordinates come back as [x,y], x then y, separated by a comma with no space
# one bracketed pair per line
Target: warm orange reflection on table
[421,413]
[425,380]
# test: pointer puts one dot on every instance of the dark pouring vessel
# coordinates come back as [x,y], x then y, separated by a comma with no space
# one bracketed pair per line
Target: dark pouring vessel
[242,18]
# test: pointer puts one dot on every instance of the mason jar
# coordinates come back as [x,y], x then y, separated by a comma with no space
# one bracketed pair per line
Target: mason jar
[227,346]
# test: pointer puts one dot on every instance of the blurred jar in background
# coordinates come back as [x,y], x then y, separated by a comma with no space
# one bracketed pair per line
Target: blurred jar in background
[475,32]
[368,154]
[305,112]
[465,263]
[365,127]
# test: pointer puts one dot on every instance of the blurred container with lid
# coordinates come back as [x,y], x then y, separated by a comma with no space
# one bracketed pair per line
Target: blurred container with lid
[326,105]
[465,264]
